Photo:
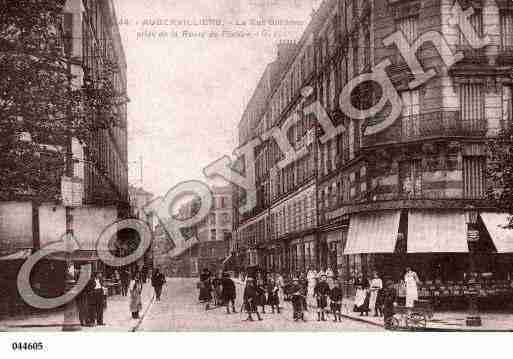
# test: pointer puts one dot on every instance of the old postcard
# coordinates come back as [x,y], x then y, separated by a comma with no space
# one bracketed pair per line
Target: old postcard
[255,165]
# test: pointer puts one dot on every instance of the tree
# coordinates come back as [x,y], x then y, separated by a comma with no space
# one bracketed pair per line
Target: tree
[38,105]
[500,172]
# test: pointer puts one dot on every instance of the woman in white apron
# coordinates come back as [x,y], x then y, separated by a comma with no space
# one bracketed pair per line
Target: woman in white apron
[311,278]
[412,294]
[376,285]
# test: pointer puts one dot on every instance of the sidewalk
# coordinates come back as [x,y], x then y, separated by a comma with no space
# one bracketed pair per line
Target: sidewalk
[441,321]
[117,316]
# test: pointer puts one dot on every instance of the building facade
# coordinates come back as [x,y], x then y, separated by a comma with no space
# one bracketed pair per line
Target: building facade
[205,245]
[360,202]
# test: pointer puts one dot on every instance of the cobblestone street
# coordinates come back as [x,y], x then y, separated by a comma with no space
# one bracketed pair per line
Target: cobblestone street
[180,310]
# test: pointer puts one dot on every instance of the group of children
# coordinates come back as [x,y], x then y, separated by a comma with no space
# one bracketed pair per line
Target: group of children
[258,293]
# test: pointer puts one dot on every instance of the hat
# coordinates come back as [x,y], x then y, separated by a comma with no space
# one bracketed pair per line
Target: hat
[250,279]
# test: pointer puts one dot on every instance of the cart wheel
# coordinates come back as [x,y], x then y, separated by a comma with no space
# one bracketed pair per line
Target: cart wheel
[416,320]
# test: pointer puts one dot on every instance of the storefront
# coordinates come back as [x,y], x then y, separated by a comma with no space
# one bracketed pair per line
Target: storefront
[442,246]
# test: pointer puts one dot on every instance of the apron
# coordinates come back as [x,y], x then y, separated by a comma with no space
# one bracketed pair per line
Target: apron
[411,289]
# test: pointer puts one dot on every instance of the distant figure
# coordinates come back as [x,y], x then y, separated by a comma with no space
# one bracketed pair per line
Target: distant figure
[297,298]
[411,279]
[228,292]
[376,284]
[273,299]
[321,292]
[389,301]
[157,281]
[336,301]
[97,299]
[125,282]
[251,299]
[135,297]
[311,277]
[205,288]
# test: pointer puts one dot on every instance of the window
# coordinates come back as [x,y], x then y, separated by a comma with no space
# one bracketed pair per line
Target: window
[410,178]
[507,106]
[472,106]
[356,64]
[212,219]
[213,235]
[410,113]
[506,19]
[476,20]
[474,176]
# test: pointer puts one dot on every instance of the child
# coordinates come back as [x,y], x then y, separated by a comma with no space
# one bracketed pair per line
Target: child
[321,292]
[272,296]
[297,298]
[336,301]
[250,299]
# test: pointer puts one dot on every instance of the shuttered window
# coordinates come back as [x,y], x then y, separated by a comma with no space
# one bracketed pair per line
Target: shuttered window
[472,106]
[506,19]
[474,176]
[410,113]
[410,178]
[507,106]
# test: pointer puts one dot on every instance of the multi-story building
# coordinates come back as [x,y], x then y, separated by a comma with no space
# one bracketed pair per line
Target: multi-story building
[402,195]
[206,244]
[92,45]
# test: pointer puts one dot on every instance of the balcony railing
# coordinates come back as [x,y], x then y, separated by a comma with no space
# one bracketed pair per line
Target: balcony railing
[428,125]
[442,123]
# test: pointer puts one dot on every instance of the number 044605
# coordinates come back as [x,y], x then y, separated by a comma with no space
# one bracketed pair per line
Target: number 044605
[22,346]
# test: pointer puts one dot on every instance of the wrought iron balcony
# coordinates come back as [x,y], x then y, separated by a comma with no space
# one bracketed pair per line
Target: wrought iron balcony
[428,125]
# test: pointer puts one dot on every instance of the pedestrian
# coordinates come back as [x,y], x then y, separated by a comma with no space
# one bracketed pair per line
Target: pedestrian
[376,284]
[273,299]
[389,302]
[280,282]
[296,294]
[330,277]
[135,297]
[311,277]
[336,296]
[321,292]
[205,293]
[261,291]
[304,285]
[411,280]
[125,282]
[228,292]
[250,299]
[157,281]
[97,300]
[84,312]
[217,289]
[361,303]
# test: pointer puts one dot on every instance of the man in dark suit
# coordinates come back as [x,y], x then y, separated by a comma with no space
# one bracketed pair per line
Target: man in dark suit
[97,299]
[157,281]
[228,293]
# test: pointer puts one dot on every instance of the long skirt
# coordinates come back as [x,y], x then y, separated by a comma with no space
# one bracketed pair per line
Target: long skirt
[411,296]
[372,299]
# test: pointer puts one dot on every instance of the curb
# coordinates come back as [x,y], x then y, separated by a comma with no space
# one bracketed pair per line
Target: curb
[139,322]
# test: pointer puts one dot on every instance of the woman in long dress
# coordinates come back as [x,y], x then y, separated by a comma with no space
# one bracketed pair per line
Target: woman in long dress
[376,285]
[311,277]
[135,297]
[411,280]
[361,302]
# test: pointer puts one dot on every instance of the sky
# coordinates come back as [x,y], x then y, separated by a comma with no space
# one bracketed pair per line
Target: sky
[187,93]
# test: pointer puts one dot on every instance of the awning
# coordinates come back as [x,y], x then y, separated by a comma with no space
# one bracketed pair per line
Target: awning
[23,254]
[437,232]
[373,233]
[501,237]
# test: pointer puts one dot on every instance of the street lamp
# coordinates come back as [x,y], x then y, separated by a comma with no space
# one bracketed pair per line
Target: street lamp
[471,215]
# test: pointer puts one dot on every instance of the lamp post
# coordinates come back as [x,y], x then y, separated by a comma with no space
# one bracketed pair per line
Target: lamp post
[473,319]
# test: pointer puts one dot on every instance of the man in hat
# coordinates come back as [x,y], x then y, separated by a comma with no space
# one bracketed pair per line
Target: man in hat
[297,298]
[251,298]
[228,292]
[321,292]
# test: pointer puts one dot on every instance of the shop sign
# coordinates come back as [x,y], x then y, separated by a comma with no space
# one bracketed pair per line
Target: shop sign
[472,235]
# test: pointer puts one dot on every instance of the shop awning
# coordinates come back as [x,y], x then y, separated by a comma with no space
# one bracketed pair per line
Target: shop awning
[23,254]
[437,232]
[373,233]
[501,237]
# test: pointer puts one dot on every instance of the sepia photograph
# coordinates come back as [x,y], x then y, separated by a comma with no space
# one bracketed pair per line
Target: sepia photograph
[192,166]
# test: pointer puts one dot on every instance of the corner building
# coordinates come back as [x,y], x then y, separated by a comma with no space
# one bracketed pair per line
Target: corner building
[412,194]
